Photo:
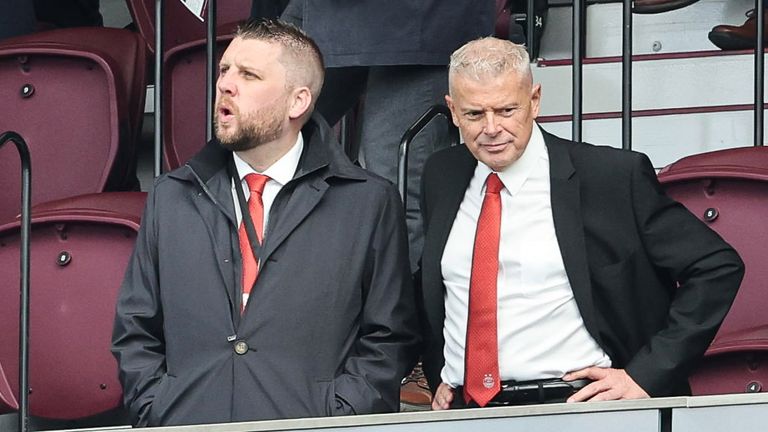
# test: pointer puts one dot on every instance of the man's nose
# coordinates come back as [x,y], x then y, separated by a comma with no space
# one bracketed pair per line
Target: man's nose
[226,84]
[491,123]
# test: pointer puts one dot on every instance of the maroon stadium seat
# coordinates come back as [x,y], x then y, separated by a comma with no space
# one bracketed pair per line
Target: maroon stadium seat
[728,189]
[184,99]
[8,401]
[79,250]
[182,26]
[77,97]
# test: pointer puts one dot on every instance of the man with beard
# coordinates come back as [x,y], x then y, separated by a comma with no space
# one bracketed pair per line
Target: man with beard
[270,277]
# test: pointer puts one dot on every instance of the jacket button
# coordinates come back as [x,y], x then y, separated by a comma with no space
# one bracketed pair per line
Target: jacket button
[241,347]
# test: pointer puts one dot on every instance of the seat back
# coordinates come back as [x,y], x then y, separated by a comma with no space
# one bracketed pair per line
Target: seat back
[77,97]
[728,189]
[79,251]
[184,99]
[8,402]
[181,26]
[129,53]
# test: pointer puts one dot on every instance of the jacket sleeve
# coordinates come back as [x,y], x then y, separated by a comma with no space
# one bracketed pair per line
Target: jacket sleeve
[708,273]
[385,348]
[137,338]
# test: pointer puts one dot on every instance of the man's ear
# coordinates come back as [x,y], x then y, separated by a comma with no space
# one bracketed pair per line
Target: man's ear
[301,99]
[535,100]
[452,107]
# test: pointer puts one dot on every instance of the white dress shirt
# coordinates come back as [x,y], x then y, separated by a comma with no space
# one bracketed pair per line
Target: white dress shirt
[540,329]
[279,173]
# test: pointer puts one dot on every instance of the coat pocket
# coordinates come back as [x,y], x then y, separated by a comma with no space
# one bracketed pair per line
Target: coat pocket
[615,275]
[327,397]
[160,401]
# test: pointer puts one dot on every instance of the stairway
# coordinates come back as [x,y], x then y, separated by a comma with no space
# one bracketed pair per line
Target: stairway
[688,96]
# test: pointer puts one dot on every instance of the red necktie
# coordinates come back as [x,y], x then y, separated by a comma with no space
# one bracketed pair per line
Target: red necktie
[481,358]
[256,184]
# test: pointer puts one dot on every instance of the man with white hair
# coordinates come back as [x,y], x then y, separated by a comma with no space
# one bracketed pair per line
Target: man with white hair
[270,277]
[552,270]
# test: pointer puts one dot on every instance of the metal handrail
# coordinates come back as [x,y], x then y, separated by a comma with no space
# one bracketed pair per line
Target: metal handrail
[159,8]
[410,134]
[759,73]
[577,68]
[530,28]
[210,70]
[626,77]
[26,184]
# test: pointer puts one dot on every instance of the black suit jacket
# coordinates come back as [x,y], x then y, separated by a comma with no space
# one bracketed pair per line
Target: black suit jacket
[651,281]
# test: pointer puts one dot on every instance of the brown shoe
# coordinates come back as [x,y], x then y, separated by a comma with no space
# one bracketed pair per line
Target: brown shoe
[414,390]
[728,37]
[658,6]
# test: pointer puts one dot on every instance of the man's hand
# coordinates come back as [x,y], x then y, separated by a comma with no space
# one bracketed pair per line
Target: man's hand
[443,397]
[609,384]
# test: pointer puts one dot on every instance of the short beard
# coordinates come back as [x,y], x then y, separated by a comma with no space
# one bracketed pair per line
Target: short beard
[255,129]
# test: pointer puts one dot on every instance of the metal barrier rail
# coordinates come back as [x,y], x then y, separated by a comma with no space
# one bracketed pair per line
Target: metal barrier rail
[676,414]
[26,214]
[759,72]
[410,134]
[626,76]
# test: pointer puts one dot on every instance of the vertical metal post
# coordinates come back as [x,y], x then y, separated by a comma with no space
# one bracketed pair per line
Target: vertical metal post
[159,8]
[530,28]
[211,69]
[410,134]
[26,188]
[759,73]
[577,54]
[626,77]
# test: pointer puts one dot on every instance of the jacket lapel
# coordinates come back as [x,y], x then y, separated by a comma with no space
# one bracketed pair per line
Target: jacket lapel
[569,227]
[300,203]
[220,192]
[321,159]
[207,170]
[448,197]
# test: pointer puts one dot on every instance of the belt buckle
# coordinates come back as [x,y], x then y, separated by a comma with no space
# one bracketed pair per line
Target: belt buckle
[537,392]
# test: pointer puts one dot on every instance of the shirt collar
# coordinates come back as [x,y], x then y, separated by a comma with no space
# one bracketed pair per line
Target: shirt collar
[282,171]
[515,175]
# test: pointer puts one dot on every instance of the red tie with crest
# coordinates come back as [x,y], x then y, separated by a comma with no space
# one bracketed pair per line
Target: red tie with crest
[256,184]
[481,358]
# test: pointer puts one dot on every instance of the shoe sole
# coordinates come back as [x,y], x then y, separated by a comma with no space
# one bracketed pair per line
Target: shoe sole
[730,42]
[654,9]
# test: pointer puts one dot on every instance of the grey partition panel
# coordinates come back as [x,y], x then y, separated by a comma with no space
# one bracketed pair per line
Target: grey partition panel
[636,416]
[742,418]
[637,421]
[742,413]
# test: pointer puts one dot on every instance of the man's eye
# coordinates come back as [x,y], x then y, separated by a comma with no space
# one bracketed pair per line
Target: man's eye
[473,115]
[507,112]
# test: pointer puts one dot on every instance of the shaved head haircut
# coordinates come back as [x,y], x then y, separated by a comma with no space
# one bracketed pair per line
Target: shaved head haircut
[300,55]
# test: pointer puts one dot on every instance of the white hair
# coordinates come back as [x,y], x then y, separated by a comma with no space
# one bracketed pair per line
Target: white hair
[488,57]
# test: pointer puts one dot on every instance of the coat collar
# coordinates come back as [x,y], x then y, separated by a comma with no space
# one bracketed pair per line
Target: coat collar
[321,151]
[321,159]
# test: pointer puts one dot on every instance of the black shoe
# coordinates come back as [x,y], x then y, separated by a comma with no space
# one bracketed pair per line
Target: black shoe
[658,6]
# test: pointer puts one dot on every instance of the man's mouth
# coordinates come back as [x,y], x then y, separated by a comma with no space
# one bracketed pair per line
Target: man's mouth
[225,113]
[494,146]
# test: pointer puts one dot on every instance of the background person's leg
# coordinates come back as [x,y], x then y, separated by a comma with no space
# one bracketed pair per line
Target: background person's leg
[396,96]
